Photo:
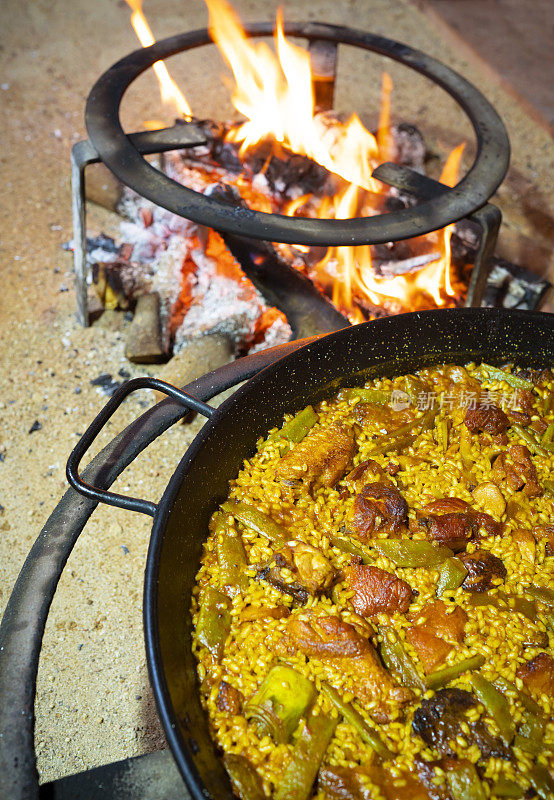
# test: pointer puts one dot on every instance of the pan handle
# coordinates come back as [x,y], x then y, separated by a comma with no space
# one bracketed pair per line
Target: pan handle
[111,498]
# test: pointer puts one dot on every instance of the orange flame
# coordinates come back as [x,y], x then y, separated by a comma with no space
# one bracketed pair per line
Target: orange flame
[275,94]
[169,91]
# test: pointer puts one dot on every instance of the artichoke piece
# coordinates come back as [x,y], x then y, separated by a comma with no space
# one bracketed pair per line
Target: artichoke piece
[282,699]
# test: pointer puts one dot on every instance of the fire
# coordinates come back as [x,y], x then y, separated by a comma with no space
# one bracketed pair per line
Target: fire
[169,91]
[273,91]
[275,94]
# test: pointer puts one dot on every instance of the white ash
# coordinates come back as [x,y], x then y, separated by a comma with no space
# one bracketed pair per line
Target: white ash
[167,277]
[278,332]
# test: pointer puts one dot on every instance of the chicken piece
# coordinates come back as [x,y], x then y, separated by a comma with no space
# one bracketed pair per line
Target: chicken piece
[376,590]
[447,505]
[482,567]
[452,530]
[320,458]
[342,647]
[431,650]
[256,613]
[453,505]
[347,783]
[378,507]
[545,532]
[437,618]
[427,776]
[309,567]
[538,675]
[515,470]
[383,417]
[229,699]
[433,625]
[489,419]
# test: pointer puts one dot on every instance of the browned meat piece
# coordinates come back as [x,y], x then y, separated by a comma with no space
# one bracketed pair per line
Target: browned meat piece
[229,699]
[254,613]
[378,507]
[431,650]
[342,646]
[488,523]
[427,776]
[489,419]
[482,567]
[359,473]
[447,505]
[321,458]
[438,722]
[452,530]
[536,376]
[538,675]
[526,400]
[437,618]
[376,590]
[515,470]
[432,624]
[310,571]
[384,417]
[520,417]
[346,783]
[545,532]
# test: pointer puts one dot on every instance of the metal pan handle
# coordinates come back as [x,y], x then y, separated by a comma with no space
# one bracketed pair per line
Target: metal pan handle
[112,498]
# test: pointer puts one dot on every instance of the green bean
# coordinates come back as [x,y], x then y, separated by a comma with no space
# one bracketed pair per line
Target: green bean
[452,574]
[245,780]
[442,434]
[257,520]
[375,397]
[355,719]
[530,440]
[231,555]
[541,593]
[549,486]
[496,705]
[412,553]
[513,380]
[527,702]
[443,676]
[283,697]
[465,449]
[405,435]
[296,782]
[214,620]
[548,435]
[396,659]
[297,428]
[541,781]
[504,601]
[464,783]
[348,546]
[504,787]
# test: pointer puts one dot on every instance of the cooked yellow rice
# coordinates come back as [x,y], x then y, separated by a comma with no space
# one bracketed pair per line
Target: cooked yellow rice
[426,473]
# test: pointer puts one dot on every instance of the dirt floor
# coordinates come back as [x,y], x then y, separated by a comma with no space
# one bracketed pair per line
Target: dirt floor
[94,704]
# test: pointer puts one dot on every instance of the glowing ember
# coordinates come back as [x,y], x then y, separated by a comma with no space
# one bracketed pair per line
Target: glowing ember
[169,91]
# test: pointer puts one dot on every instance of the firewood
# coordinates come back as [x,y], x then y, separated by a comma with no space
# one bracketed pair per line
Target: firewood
[143,344]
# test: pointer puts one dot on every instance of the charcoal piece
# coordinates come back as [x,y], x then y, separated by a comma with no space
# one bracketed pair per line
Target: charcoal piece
[411,150]
[511,286]
[102,242]
[106,383]
[285,171]
[36,426]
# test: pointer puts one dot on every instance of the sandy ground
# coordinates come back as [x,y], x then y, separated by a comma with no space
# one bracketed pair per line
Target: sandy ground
[94,704]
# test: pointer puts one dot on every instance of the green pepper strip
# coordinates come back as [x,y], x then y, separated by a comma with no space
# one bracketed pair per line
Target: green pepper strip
[496,705]
[548,435]
[396,659]
[347,546]
[297,428]
[513,380]
[527,702]
[549,486]
[245,780]
[541,781]
[412,553]
[464,783]
[452,574]
[542,594]
[443,676]
[282,698]
[442,434]
[530,440]
[231,555]
[530,735]
[465,448]
[504,787]
[214,620]
[504,601]
[376,397]
[258,521]
[298,779]
[359,724]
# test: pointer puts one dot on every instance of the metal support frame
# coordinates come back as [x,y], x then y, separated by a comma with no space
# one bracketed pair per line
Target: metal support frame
[82,155]
[488,218]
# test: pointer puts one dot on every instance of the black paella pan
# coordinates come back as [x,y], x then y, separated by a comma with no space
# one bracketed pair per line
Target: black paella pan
[390,346]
